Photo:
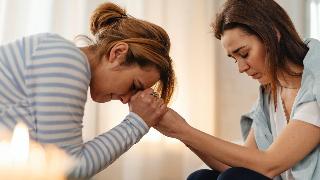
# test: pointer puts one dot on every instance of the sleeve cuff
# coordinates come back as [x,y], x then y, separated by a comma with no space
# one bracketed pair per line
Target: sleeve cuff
[138,122]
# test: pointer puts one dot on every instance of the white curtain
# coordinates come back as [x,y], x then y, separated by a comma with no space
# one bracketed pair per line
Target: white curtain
[313,19]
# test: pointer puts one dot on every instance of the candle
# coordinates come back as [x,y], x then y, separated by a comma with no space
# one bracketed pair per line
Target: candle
[22,159]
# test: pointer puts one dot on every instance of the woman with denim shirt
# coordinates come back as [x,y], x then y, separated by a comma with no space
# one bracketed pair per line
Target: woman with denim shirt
[281,132]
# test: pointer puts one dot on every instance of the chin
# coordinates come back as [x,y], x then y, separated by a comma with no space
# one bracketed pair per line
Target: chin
[263,81]
[99,99]
[96,100]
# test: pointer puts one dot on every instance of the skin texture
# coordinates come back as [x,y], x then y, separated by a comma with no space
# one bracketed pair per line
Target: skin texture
[248,52]
[111,79]
[296,141]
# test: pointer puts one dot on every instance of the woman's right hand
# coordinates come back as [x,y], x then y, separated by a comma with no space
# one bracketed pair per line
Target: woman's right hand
[147,106]
[172,124]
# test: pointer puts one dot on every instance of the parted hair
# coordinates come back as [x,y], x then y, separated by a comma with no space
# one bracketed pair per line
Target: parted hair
[149,44]
[267,20]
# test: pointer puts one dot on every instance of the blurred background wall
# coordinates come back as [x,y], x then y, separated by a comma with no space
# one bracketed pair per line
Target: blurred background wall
[211,94]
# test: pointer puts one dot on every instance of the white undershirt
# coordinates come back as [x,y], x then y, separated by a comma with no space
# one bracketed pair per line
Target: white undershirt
[308,112]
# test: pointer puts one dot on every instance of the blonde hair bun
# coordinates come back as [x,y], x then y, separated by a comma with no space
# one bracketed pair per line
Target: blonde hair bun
[106,15]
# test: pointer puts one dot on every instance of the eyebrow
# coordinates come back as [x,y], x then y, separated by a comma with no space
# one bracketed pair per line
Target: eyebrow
[236,50]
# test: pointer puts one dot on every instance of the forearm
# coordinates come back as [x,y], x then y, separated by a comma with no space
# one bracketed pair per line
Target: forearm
[285,151]
[209,161]
[229,154]
[100,152]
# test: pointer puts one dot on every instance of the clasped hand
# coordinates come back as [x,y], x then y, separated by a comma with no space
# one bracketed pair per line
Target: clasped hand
[148,106]
[156,114]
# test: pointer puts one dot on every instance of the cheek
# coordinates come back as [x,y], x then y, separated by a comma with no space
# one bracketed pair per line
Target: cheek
[261,66]
[258,62]
[99,86]
[120,87]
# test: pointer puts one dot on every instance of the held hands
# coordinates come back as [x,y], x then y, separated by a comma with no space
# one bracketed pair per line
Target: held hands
[172,124]
[148,106]
[155,113]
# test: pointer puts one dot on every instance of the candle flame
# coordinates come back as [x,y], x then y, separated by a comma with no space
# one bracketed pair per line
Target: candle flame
[20,144]
[24,159]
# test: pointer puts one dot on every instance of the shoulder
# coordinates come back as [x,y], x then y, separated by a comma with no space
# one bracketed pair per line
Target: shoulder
[310,83]
[43,41]
[52,53]
[57,49]
[311,61]
[51,40]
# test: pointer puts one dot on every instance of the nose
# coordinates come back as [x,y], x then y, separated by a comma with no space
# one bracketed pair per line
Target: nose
[125,98]
[243,66]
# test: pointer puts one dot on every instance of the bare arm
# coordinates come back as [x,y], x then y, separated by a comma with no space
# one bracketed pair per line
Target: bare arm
[217,165]
[281,155]
[209,161]
[250,141]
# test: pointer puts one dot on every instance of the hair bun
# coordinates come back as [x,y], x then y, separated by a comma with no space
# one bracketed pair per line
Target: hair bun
[105,15]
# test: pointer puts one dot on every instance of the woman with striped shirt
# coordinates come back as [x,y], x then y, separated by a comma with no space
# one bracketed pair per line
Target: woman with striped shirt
[44,80]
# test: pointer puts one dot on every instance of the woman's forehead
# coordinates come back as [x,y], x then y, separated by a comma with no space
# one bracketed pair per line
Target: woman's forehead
[234,40]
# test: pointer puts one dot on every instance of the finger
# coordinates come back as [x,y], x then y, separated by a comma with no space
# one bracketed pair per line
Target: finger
[163,108]
[159,101]
[160,111]
[136,95]
[148,91]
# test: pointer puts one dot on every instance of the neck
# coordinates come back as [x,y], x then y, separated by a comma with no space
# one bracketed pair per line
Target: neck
[91,57]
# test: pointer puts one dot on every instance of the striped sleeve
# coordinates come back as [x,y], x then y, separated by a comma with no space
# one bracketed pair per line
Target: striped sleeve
[97,154]
[58,76]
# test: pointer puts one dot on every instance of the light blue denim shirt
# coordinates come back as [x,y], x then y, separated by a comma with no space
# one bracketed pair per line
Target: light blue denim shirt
[258,117]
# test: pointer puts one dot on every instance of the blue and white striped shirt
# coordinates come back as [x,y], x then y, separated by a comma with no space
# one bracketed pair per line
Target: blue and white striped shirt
[44,81]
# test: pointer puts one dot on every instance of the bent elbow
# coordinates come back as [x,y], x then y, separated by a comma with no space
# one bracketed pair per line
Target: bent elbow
[272,169]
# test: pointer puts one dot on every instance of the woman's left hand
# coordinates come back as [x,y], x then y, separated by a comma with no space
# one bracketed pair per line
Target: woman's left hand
[149,107]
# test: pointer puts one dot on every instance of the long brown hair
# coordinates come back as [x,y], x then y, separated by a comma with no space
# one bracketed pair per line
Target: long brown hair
[149,44]
[269,22]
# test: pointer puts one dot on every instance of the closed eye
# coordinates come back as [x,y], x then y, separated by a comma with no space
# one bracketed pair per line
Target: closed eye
[244,56]
[136,86]
[233,58]
[133,88]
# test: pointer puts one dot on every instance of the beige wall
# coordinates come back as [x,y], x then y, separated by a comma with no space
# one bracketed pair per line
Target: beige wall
[235,95]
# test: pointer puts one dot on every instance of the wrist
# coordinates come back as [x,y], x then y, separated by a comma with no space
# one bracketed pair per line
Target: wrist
[139,119]
[183,133]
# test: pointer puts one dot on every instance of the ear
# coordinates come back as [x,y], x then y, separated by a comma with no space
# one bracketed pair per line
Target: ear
[118,54]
